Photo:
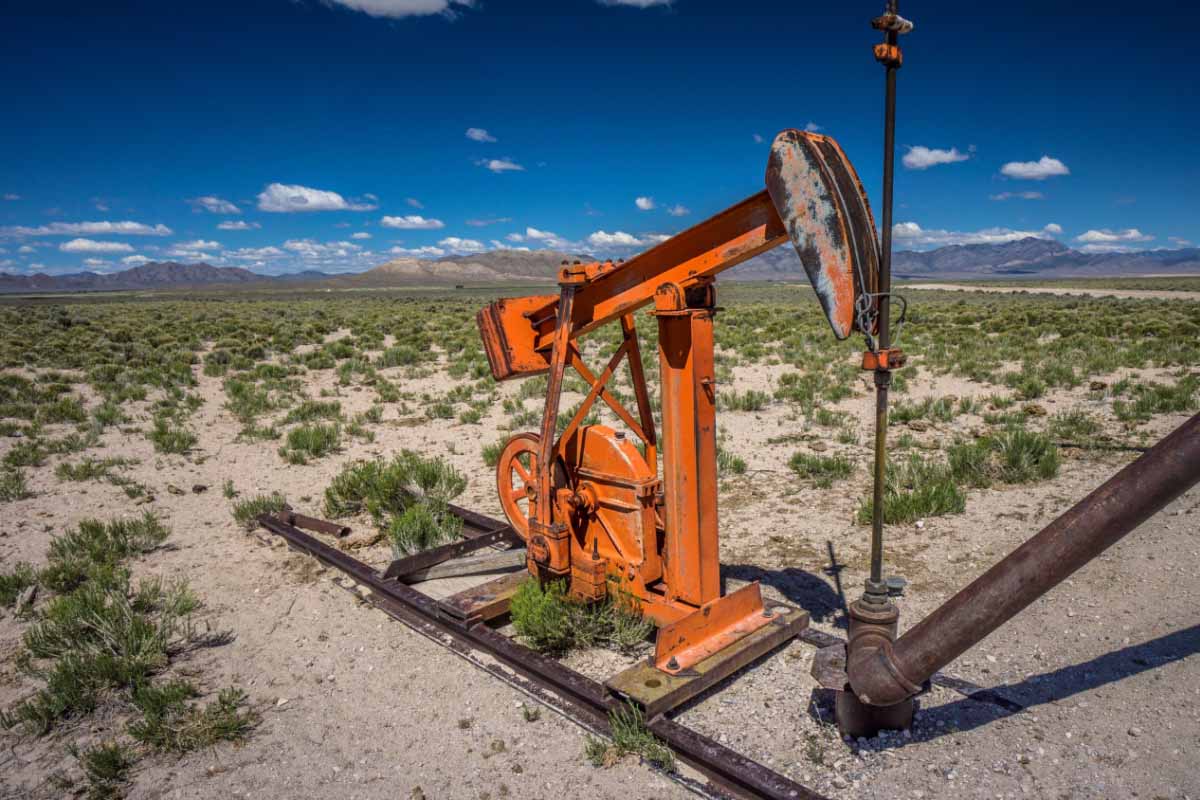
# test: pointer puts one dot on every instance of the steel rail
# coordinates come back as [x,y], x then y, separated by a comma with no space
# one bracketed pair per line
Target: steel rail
[728,771]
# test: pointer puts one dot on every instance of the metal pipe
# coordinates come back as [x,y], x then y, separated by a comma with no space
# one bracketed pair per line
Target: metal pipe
[883,377]
[891,674]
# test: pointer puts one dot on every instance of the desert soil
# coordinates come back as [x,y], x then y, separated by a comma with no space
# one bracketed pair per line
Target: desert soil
[357,706]
[1074,291]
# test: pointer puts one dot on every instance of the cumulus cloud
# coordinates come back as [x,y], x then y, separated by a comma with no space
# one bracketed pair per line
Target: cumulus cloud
[1053,228]
[125,228]
[812,127]
[286,198]
[910,234]
[25,249]
[93,246]
[397,9]
[614,239]
[214,205]
[414,202]
[134,261]
[1107,236]
[644,203]
[921,157]
[758,139]
[1179,241]
[1017,196]
[255,253]
[10,196]
[483,222]
[360,235]
[418,252]
[238,225]
[1044,167]
[310,248]
[413,222]
[457,245]
[479,135]
[199,244]
[96,262]
[678,210]
[499,165]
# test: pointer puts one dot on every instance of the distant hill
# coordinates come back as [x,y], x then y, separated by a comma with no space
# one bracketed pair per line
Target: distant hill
[151,275]
[1043,258]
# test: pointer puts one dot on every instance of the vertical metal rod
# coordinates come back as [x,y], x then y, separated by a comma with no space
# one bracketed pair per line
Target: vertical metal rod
[883,377]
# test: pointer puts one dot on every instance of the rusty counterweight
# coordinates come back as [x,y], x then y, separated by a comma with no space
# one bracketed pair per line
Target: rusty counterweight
[888,675]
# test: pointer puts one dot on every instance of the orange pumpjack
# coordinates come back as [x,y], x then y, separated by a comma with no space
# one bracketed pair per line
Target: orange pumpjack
[589,504]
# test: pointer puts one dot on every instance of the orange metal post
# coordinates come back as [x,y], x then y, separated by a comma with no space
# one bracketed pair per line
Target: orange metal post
[685,350]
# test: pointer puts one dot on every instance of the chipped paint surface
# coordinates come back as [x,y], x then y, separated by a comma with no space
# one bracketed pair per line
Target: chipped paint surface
[824,208]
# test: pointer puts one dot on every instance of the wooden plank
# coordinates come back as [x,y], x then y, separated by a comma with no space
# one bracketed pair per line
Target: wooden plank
[484,602]
[426,559]
[499,561]
[657,691]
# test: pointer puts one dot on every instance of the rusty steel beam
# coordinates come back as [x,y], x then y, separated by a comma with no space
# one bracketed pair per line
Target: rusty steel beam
[889,674]
[583,698]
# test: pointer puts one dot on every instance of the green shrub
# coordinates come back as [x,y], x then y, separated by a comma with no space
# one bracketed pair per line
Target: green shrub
[171,724]
[1076,427]
[246,512]
[729,464]
[916,489]
[12,583]
[822,470]
[93,545]
[1025,456]
[309,410]
[311,441]
[629,736]
[421,526]
[169,437]
[106,767]
[13,485]
[750,400]
[551,622]
[491,452]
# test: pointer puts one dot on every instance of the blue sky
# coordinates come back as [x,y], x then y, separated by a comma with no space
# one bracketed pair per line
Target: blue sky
[283,135]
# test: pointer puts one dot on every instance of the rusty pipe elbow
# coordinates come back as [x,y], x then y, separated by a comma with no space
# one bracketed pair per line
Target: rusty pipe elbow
[875,676]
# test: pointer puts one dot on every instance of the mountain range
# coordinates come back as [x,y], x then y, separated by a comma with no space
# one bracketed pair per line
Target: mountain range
[1031,257]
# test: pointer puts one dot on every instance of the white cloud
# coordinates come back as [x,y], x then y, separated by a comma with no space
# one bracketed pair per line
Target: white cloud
[515,237]
[1053,228]
[812,127]
[25,249]
[485,221]
[397,9]
[134,261]
[910,234]
[199,244]
[758,139]
[457,245]
[535,234]
[126,228]
[678,210]
[479,135]
[413,222]
[1106,236]
[1017,196]
[498,245]
[360,235]
[418,252]
[10,196]
[92,246]
[614,239]
[921,157]
[96,262]
[312,249]
[1044,167]
[414,202]
[285,198]
[500,165]
[214,205]
[1108,248]
[1179,241]
[255,253]
[635,3]
[238,225]
[644,203]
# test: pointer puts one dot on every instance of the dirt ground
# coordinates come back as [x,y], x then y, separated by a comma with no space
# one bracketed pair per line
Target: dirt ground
[357,706]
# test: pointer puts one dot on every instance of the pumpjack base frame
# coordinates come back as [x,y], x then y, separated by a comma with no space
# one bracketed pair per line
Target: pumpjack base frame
[460,623]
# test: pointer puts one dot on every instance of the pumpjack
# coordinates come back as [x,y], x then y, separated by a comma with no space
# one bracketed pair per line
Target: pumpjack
[593,510]
[591,505]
